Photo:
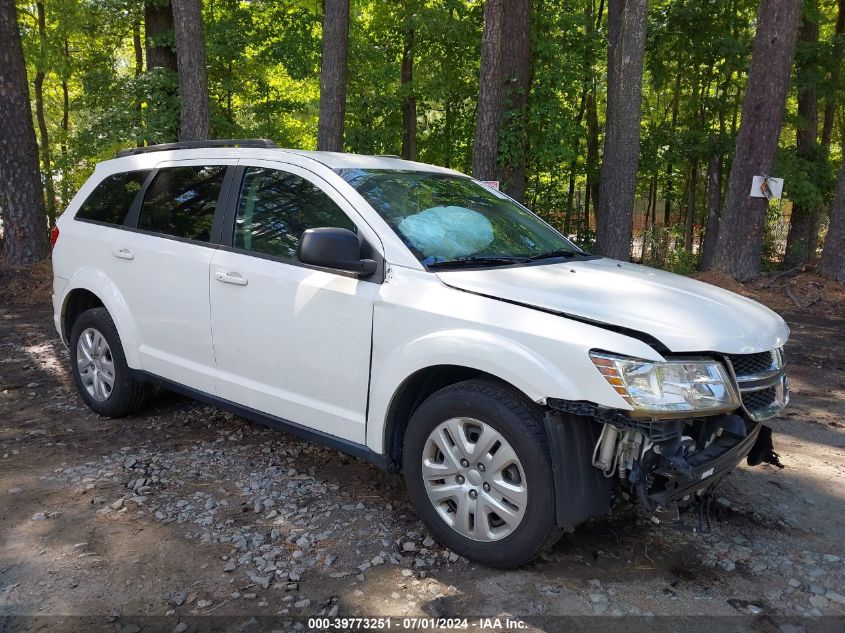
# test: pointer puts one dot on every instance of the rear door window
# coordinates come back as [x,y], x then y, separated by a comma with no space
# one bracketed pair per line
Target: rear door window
[110,201]
[181,201]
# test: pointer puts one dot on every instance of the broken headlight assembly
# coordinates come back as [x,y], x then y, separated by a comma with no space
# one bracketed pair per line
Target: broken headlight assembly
[671,388]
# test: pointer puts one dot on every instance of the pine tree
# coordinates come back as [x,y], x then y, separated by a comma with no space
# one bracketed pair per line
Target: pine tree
[21,197]
[333,75]
[626,23]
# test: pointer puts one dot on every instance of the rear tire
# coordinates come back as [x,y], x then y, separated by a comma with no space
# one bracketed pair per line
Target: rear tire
[99,368]
[498,510]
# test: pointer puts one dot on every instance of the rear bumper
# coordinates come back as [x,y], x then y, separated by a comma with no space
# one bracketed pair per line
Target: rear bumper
[59,285]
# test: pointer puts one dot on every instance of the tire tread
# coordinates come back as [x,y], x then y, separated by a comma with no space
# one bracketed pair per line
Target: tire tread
[531,417]
[130,393]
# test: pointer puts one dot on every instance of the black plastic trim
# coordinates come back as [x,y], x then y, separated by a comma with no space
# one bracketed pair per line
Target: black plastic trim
[231,207]
[223,142]
[581,490]
[221,206]
[577,257]
[100,223]
[175,238]
[344,446]
[131,219]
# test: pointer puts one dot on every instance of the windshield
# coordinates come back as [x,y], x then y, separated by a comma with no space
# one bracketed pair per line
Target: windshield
[445,218]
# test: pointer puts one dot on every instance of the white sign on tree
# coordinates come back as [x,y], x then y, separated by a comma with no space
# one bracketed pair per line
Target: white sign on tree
[766,187]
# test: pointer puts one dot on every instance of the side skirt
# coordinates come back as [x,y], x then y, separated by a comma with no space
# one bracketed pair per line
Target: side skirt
[344,446]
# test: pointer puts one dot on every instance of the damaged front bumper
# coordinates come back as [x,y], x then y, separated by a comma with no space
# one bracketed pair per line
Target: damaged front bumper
[664,464]
[661,479]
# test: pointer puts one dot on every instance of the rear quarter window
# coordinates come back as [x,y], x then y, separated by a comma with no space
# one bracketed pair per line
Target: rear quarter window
[110,201]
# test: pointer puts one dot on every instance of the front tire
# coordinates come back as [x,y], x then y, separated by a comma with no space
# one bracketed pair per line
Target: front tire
[99,367]
[478,470]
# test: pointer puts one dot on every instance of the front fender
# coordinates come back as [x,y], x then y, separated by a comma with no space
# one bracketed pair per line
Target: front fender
[488,352]
[98,282]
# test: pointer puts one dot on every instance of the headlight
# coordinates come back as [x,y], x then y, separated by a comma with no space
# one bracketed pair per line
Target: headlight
[660,389]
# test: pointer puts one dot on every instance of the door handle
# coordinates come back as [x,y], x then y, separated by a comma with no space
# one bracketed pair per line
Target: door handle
[123,253]
[236,279]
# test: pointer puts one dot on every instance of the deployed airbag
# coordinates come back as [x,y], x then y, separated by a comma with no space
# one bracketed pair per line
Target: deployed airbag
[447,232]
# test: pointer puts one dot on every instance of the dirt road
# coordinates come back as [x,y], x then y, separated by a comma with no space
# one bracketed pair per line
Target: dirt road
[185,510]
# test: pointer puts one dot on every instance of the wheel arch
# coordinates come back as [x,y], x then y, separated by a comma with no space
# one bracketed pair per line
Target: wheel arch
[413,391]
[76,302]
[439,358]
[90,288]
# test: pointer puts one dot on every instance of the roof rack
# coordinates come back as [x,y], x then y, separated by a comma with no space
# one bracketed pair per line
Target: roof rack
[223,142]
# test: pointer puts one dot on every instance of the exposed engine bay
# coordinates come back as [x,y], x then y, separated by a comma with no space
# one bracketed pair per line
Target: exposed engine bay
[669,465]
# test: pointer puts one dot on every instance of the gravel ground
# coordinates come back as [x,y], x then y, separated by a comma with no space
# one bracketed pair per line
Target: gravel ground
[185,511]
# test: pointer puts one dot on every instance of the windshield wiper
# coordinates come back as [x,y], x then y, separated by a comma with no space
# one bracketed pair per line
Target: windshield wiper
[479,260]
[552,254]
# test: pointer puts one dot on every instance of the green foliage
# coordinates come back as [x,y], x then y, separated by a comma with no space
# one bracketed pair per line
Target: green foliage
[264,57]
[681,261]
[774,236]
[664,248]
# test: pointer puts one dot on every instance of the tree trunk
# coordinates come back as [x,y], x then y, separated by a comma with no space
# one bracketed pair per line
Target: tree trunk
[139,69]
[40,75]
[740,241]
[646,228]
[801,241]
[333,75]
[485,150]
[832,263]
[667,204]
[409,100]
[626,20]
[138,48]
[833,79]
[582,107]
[65,125]
[714,199]
[570,200]
[158,32]
[593,168]
[161,116]
[21,198]
[193,80]
[516,79]
[690,219]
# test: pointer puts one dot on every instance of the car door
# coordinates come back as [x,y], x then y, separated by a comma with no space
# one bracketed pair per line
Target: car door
[161,263]
[290,340]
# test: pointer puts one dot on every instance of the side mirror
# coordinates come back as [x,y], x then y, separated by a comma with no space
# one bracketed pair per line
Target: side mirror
[332,247]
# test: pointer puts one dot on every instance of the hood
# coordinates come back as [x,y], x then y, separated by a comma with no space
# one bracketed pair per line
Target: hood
[683,314]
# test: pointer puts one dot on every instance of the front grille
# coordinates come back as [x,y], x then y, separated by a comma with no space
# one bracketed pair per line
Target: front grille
[759,400]
[761,379]
[752,364]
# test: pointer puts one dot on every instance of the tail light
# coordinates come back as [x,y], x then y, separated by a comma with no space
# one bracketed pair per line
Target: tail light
[54,236]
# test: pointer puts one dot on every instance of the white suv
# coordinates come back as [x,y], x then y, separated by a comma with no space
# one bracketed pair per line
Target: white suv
[419,319]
